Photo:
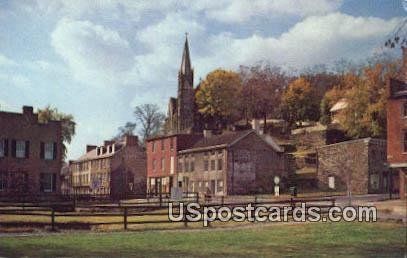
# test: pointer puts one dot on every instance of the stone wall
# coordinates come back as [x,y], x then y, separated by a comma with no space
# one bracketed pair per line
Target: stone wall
[357,166]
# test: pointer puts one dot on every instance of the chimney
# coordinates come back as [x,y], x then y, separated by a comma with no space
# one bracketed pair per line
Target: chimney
[207,133]
[404,65]
[130,140]
[90,148]
[28,111]
[256,125]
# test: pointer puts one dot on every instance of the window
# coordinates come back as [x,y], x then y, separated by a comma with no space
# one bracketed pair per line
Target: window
[162,163]
[2,148]
[405,141]
[374,181]
[212,165]
[331,182]
[180,167]
[172,143]
[153,164]
[206,165]
[3,181]
[153,146]
[192,166]
[48,182]
[186,166]
[21,149]
[405,110]
[49,150]
[162,144]
[220,162]
[220,186]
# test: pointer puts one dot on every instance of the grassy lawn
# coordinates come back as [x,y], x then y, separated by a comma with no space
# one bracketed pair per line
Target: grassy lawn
[300,240]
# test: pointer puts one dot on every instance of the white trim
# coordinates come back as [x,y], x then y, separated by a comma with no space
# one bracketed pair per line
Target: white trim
[398,165]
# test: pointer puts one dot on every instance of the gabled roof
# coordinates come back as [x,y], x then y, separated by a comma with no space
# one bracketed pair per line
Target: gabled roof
[341,104]
[227,140]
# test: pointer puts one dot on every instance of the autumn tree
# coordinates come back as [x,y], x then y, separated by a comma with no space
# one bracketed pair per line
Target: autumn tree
[366,95]
[217,97]
[296,101]
[67,122]
[261,93]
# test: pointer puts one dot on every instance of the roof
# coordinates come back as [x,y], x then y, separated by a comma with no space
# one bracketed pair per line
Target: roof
[341,104]
[228,139]
[364,140]
[169,135]
[92,155]
[186,61]
[398,88]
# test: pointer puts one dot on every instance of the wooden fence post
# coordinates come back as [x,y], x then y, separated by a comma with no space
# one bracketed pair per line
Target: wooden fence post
[52,219]
[125,218]
[185,216]
[161,200]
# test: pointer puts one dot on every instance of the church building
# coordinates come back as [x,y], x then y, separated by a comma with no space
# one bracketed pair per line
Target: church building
[182,114]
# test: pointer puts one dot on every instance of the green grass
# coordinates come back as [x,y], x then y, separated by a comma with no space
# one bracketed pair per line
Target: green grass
[300,240]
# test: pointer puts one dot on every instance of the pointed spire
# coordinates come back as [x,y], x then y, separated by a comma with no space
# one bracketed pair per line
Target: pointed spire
[186,62]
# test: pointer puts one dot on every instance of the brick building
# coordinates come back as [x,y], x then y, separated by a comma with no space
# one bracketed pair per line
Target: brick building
[115,169]
[162,160]
[30,154]
[358,166]
[239,162]
[397,128]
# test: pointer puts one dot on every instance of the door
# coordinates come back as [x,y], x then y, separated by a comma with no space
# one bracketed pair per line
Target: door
[213,187]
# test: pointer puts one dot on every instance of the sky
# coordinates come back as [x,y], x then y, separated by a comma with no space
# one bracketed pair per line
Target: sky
[97,60]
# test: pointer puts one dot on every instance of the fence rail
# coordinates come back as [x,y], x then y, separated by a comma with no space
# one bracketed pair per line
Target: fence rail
[152,213]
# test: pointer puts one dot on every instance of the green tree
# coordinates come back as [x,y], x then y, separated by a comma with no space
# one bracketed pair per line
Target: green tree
[217,97]
[67,122]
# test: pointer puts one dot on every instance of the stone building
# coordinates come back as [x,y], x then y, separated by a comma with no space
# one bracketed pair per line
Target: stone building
[239,162]
[162,160]
[116,169]
[397,128]
[30,155]
[182,115]
[358,166]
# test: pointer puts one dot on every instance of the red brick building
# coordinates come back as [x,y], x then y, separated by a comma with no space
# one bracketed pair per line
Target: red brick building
[162,160]
[397,127]
[116,169]
[30,155]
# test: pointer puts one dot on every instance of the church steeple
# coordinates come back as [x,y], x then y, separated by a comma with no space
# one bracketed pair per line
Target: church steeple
[186,61]
[186,95]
